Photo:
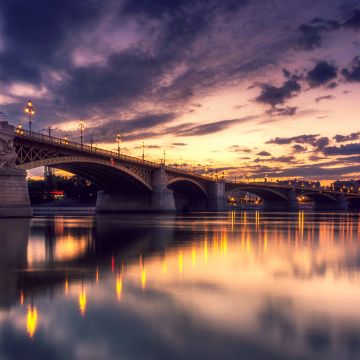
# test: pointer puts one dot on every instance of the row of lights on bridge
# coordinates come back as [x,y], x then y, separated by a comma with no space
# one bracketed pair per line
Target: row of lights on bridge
[30,110]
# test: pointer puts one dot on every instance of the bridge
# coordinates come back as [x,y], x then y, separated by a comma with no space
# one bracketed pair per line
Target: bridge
[132,184]
[285,196]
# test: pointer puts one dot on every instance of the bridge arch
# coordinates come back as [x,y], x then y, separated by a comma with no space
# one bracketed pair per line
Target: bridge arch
[189,194]
[264,192]
[102,172]
[353,202]
[319,197]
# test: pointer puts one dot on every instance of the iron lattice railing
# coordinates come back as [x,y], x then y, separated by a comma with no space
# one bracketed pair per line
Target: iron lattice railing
[67,144]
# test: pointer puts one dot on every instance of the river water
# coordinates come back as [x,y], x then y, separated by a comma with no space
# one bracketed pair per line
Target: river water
[237,285]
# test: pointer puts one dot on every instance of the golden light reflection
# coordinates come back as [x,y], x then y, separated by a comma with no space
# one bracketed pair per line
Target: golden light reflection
[143,278]
[82,301]
[193,256]
[257,220]
[31,321]
[66,287]
[22,298]
[265,241]
[164,267]
[181,262]
[118,287]
[206,250]
[97,275]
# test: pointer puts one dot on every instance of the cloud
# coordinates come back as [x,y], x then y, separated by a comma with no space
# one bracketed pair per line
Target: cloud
[315,140]
[298,148]
[354,21]
[283,159]
[263,153]
[348,149]
[238,148]
[321,74]
[325,97]
[274,95]
[321,143]
[130,129]
[179,144]
[301,139]
[352,73]
[191,129]
[342,138]
[310,34]
[27,52]
[282,111]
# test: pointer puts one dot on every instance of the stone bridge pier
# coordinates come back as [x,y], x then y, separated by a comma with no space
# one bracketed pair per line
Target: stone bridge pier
[216,200]
[337,202]
[287,202]
[164,197]
[14,196]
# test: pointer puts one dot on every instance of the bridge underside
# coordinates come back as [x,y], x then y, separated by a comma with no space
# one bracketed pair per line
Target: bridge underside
[273,199]
[188,196]
[353,203]
[120,192]
[326,202]
[106,177]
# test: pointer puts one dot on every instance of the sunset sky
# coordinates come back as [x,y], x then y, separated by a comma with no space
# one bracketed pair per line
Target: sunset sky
[252,87]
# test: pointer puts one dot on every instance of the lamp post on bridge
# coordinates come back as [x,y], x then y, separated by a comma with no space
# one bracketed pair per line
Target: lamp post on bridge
[143,152]
[118,140]
[164,159]
[30,110]
[82,128]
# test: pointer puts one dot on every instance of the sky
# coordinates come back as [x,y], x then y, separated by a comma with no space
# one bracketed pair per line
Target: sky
[251,87]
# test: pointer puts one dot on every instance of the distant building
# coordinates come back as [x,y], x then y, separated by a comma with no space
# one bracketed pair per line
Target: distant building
[297,182]
[349,185]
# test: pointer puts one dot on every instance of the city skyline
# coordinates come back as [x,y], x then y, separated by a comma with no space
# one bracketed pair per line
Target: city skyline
[247,87]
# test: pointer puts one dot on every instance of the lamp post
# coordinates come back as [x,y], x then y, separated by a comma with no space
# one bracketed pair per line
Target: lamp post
[82,128]
[143,151]
[19,130]
[164,156]
[118,140]
[30,110]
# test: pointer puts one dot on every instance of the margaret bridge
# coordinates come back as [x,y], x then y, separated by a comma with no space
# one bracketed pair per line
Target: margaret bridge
[132,184]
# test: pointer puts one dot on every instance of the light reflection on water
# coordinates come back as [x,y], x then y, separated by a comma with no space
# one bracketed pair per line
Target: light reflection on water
[235,285]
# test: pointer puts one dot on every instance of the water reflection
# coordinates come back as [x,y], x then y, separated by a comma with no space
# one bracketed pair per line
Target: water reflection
[31,322]
[237,285]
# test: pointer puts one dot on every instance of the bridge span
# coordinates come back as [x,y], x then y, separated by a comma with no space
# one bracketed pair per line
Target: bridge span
[285,197]
[132,184]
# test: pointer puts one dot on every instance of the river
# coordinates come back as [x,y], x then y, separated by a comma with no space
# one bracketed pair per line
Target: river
[236,285]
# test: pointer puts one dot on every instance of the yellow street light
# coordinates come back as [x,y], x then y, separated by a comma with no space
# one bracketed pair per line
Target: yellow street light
[118,140]
[82,128]
[30,110]
[20,130]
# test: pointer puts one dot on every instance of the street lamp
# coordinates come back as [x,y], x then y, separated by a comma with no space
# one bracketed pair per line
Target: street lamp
[118,140]
[164,156]
[143,151]
[82,128]
[19,130]
[29,109]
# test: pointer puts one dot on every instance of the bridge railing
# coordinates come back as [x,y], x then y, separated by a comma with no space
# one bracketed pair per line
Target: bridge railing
[297,186]
[20,132]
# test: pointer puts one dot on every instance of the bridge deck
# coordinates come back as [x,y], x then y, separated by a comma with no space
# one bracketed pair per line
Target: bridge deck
[21,135]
